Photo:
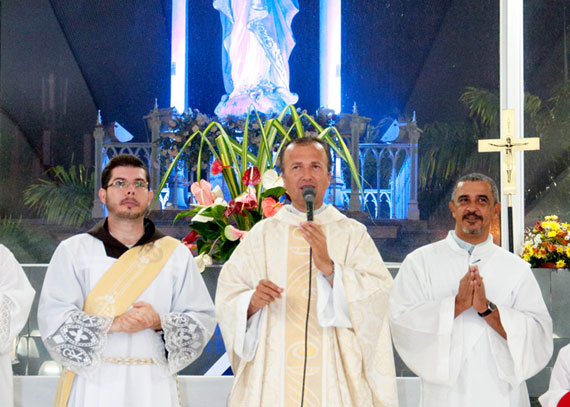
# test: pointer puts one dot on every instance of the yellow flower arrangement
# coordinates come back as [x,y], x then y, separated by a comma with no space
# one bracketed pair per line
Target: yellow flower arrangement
[547,243]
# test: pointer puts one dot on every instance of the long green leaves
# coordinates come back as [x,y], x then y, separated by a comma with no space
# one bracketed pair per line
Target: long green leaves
[238,155]
[66,198]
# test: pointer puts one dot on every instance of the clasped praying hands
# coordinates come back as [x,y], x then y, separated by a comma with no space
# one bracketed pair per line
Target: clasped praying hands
[471,292]
[139,317]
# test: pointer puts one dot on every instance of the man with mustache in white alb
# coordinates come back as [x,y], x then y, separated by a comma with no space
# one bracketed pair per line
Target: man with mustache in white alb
[468,316]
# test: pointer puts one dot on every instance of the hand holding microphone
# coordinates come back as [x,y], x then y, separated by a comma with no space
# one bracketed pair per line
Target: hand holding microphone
[315,236]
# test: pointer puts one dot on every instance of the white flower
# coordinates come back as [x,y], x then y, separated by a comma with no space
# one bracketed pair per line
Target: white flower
[200,218]
[271,179]
[219,201]
[219,194]
[203,260]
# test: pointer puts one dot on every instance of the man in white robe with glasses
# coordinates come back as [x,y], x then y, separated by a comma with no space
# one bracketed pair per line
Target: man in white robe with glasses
[466,315]
[123,308]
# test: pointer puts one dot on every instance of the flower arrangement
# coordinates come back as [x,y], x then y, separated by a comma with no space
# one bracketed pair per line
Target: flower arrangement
[546,244]
[255,189]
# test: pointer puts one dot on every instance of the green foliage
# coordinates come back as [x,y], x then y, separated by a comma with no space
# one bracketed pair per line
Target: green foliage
[483,104]
[548,120]
[238,145]
[171,144]
[65,198]
[446,151]
[28,245]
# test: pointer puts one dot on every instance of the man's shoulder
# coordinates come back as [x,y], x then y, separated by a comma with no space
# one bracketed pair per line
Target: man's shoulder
[79,242]
[510,258]
[430,249]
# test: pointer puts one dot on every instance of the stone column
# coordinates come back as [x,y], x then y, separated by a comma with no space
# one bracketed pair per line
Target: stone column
[357,126]
[98,135]
[414,136]
[154,124]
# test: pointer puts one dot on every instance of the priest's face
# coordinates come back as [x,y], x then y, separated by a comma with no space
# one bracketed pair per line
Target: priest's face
[129,197]
[305,165]
[474,209]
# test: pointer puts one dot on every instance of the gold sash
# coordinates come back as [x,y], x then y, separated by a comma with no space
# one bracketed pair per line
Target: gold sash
[297,295]
[118,289]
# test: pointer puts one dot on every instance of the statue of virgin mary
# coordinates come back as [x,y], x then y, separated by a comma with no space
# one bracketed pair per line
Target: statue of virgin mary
[257,42]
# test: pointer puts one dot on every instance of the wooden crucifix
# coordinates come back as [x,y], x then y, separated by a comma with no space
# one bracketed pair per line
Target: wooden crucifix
[507,145]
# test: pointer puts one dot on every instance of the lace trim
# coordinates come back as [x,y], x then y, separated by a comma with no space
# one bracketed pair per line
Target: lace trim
[6,306]
[184,339]
[79,342]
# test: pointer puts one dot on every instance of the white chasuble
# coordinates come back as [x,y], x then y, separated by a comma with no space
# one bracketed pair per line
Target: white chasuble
[16,296]
[349,359]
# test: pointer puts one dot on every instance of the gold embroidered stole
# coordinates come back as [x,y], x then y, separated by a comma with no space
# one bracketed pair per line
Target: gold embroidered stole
[297,293]
[118,289]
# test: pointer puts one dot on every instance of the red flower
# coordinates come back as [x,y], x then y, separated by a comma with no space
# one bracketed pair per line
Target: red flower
[251,176]
[218,166]
[246,201]
[190,239]
[230,209]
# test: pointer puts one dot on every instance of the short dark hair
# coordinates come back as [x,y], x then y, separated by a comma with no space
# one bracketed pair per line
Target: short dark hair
[122,160]
[304,141]
[475,176]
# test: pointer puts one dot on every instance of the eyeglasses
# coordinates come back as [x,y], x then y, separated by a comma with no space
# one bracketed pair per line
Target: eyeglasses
[122,184]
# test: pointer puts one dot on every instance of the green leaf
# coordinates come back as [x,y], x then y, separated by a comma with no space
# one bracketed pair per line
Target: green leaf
[183,214]
[275,192]
[225,250]
[216,211]
[207,230]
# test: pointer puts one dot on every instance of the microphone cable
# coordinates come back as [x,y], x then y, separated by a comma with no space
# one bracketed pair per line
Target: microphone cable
[309,197]
[307,324]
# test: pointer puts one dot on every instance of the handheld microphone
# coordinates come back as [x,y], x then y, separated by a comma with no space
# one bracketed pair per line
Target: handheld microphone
[309,197]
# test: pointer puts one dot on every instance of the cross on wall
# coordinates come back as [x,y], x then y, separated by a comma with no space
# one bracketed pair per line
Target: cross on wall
[507,145]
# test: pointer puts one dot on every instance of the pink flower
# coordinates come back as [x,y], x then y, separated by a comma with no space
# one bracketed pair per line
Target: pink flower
[203,192]
[233,233]
[270,207]
[218,166]
[251,176]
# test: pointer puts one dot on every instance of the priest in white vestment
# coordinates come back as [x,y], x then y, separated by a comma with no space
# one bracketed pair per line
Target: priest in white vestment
[466,315]
[558,393]
[16,297]
[130,358]
[262,294]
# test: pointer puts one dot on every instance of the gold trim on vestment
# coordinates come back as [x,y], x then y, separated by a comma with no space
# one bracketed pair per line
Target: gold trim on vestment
[119,288]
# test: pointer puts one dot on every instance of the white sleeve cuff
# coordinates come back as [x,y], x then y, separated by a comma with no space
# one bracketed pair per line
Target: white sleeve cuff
[332,306]
[247,329]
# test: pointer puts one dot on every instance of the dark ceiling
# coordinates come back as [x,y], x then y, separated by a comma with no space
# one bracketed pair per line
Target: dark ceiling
[123,51]
[115,56]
